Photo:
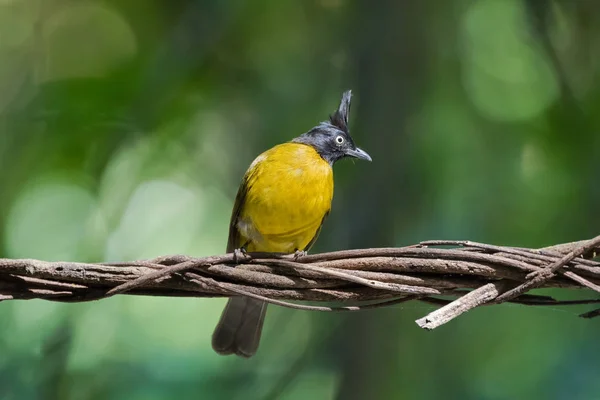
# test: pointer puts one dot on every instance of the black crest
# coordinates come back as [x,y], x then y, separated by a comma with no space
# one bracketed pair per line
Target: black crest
[339,119]
[332,139]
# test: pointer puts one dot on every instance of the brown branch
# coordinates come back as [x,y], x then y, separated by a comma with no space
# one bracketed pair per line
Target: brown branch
[458,279]
[537,278]
[461,305]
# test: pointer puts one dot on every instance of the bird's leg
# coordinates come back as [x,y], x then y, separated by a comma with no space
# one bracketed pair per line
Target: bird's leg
[299,253]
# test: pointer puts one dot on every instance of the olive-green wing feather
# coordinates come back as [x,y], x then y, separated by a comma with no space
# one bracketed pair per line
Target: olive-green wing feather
[233,241]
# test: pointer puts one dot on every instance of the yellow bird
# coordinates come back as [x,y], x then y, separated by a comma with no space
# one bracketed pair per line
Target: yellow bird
[280,207]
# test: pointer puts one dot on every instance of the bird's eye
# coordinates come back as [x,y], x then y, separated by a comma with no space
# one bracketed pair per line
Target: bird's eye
[339,139]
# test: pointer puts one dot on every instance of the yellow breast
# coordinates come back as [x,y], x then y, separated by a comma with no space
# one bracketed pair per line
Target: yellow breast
[289,192]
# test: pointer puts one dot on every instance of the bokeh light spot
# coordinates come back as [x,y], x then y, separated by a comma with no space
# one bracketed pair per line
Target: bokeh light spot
[506,75]
[161,218]
[52,220]
[86,40]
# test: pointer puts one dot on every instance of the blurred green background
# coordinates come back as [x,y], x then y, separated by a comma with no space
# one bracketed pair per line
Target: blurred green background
[126,125]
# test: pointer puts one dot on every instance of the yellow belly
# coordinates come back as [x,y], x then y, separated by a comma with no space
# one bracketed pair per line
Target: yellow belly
[289,192]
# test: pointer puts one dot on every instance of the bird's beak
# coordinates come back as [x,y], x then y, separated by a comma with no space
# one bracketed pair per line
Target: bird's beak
[358,153]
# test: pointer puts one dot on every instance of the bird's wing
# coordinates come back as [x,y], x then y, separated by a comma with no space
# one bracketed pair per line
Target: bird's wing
[233,242]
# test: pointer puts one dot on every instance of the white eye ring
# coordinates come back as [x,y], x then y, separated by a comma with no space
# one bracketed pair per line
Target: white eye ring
[339,139]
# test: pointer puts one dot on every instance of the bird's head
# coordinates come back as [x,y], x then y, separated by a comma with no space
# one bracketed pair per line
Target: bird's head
[332,138]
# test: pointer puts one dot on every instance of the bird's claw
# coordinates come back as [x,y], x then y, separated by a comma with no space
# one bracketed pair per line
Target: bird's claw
[239,255]
[299,253]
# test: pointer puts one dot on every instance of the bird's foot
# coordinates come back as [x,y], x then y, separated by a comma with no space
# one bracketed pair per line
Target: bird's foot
[240,255]
[299,253]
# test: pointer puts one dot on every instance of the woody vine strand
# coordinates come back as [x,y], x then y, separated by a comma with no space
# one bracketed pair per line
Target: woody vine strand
[456,275]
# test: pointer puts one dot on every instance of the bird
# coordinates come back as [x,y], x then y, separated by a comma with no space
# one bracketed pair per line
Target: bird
[281,204]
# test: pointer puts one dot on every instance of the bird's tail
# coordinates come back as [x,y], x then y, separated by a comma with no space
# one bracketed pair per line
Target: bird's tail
[240,326]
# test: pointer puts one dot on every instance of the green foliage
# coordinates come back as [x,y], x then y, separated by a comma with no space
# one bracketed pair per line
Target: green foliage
[125,127]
